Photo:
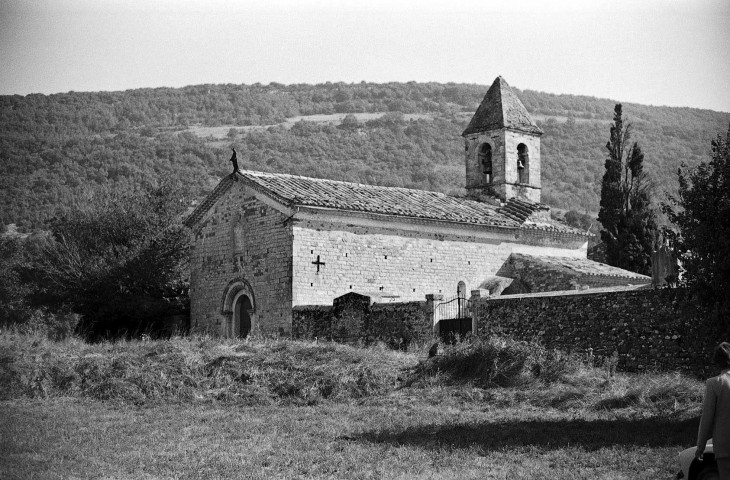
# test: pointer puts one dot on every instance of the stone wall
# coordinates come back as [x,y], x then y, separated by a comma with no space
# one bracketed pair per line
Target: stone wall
[660,329]
[651,330]
[355,318]
[241,243]
[405,262]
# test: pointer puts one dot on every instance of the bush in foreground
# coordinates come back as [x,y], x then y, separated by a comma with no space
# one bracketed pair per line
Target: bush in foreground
[511,372]
[499,362]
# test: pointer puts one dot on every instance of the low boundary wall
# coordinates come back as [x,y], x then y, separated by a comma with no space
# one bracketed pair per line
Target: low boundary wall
[650,329]
[355,318]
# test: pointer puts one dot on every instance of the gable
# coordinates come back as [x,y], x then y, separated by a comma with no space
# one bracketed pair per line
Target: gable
[228,182]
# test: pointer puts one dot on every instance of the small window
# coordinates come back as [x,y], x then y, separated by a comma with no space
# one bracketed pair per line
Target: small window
[523,162]
[485,161]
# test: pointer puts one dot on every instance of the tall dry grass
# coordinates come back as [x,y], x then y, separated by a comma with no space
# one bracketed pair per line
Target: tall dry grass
[193,369]
[498,371]
[513,372]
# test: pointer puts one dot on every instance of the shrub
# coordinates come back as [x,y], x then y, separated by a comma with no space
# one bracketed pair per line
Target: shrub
[192,369]
[499,362]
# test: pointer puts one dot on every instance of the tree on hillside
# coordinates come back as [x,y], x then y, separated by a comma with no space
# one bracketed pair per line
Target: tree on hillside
[701,214]
[13,292]
[120,261]
[350,123]
[629,221]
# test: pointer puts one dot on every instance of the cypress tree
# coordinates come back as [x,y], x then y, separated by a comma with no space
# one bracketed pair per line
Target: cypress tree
[630,229]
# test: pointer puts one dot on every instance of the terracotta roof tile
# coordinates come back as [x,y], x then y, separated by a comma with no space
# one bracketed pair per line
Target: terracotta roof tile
[520,210]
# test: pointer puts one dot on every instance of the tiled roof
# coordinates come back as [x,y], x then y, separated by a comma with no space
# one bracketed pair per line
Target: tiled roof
[293,191]
[520,210]
[501,108]
[582,266]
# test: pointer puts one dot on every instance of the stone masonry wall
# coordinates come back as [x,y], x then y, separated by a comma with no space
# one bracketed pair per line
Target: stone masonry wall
[406,263]
[241,239]
[650,329]
[353,319]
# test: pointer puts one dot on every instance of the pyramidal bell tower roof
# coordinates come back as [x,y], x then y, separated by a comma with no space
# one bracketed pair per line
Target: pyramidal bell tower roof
[501,108]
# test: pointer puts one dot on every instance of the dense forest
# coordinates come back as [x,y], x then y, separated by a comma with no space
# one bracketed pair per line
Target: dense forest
[56,149]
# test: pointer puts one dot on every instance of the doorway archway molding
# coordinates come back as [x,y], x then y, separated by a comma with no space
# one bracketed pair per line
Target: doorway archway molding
[235,289]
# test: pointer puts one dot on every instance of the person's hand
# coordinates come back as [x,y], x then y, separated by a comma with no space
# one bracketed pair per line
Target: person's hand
[699,454]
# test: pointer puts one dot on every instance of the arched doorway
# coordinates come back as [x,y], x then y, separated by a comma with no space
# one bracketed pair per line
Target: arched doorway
[238,306]
[242,316]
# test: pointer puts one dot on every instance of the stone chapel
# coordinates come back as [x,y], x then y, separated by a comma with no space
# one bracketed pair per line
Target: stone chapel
[263,243]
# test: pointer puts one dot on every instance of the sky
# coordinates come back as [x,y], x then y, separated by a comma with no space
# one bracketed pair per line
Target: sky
[657,52]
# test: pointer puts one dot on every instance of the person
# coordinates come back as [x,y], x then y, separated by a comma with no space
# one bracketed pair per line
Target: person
[715,421]
[234,160]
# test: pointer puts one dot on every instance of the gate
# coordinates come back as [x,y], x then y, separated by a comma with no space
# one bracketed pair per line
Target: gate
[453,318]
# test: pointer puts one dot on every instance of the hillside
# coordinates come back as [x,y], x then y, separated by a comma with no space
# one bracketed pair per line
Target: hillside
[55,149]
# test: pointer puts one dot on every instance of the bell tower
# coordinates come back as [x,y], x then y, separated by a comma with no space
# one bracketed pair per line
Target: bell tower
[502,148]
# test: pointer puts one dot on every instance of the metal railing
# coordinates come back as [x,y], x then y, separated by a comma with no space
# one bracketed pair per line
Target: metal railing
[456,307]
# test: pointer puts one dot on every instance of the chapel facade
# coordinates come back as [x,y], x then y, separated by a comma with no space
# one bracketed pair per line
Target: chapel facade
[263,243]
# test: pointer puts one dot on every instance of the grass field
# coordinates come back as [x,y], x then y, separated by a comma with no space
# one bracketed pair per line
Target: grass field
[296,410]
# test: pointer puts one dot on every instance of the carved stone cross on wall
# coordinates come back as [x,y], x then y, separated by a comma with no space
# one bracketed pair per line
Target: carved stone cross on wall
[318,263]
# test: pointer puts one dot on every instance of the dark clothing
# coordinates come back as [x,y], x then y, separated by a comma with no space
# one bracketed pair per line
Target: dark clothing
[234,161]
[715,422]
